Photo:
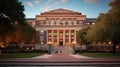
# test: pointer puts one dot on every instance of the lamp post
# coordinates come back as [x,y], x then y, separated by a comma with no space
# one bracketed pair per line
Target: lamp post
[49,44]
[73,44]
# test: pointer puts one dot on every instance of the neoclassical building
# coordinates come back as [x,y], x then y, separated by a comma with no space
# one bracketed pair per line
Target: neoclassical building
[58,26]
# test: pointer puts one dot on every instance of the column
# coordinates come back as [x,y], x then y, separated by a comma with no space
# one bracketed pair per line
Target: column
[75,22]
[52,38]
[69,37]
[63,37]
[58,37]
[75,35]
[47,35]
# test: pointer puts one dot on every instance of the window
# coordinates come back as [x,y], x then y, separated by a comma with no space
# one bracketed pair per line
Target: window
[66,33]
[49,34]
[72,33]
[49,23]
[41,42]
[66,23]
[61,34]
[54,23]
[72,23]
[55,33]
[61,23]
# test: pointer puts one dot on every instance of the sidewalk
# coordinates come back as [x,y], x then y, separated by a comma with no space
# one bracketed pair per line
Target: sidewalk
[43,56]
[81,57]
[62,56]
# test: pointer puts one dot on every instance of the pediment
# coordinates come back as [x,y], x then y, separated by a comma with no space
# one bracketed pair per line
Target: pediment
[61,11]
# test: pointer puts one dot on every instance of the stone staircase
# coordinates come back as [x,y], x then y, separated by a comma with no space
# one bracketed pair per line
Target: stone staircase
[61,50]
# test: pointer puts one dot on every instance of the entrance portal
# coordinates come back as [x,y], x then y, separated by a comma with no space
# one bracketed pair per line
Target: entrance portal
[61,44]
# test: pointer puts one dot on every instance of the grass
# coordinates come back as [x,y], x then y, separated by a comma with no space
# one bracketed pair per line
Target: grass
[100,55]
[20,55]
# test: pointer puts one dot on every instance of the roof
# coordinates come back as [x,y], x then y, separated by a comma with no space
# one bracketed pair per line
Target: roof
[61,10]
[30,18]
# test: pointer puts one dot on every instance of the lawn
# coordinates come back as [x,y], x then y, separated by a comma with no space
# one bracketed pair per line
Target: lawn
[20,55]
[100,55]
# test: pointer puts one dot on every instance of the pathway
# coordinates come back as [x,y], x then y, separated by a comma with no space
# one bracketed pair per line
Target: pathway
[81,57]
[43,56]
[61,57]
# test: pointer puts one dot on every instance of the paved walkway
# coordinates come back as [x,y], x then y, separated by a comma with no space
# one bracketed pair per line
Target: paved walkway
[43,56]
[62,57]
[81,57]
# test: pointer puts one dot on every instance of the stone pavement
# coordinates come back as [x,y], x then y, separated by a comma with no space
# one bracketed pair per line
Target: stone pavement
[81,57]
[62,57]
[43,56]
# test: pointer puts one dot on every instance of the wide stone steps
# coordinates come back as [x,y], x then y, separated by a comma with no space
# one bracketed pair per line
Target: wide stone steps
[82,62]
[62,50]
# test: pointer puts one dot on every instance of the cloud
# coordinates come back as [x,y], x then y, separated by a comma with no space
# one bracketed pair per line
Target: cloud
[56,3]
[47,8]
[30,4]
[63,1]
[92,1]
[37,1]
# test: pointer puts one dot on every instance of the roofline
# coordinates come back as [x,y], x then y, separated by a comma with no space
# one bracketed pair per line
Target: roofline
[86,18]
[30,18]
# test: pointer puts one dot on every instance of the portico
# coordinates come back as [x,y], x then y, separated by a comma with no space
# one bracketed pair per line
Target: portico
[60,37]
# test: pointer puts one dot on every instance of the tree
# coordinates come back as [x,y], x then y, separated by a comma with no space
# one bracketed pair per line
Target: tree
[23,34]
[11,11]
[28,33]
[107,28]
[81,36]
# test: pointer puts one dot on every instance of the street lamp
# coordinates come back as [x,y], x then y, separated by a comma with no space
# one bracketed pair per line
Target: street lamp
[49,50]
[73,44]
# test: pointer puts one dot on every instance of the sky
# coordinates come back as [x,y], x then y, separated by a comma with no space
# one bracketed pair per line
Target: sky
[90,8]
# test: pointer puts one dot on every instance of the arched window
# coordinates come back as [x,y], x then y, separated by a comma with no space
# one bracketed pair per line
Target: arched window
[61,23]
[55,23]
[72,23]
[49,23]
[66,23]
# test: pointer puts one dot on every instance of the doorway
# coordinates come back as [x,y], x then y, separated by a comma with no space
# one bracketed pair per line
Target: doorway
[61,44]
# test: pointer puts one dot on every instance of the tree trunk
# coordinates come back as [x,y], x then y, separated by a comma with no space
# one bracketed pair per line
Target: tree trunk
[114,47]
[0,52]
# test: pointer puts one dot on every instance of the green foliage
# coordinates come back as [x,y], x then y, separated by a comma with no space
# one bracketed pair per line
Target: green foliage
[100,55]
[11,11]
[81,36]
[13,26]
[20,55]
[24,33]
[107,26]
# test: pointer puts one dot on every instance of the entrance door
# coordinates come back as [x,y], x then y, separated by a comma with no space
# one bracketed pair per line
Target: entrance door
[61,43]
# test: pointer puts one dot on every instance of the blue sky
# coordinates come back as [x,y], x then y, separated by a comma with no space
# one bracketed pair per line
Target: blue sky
[91,8]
